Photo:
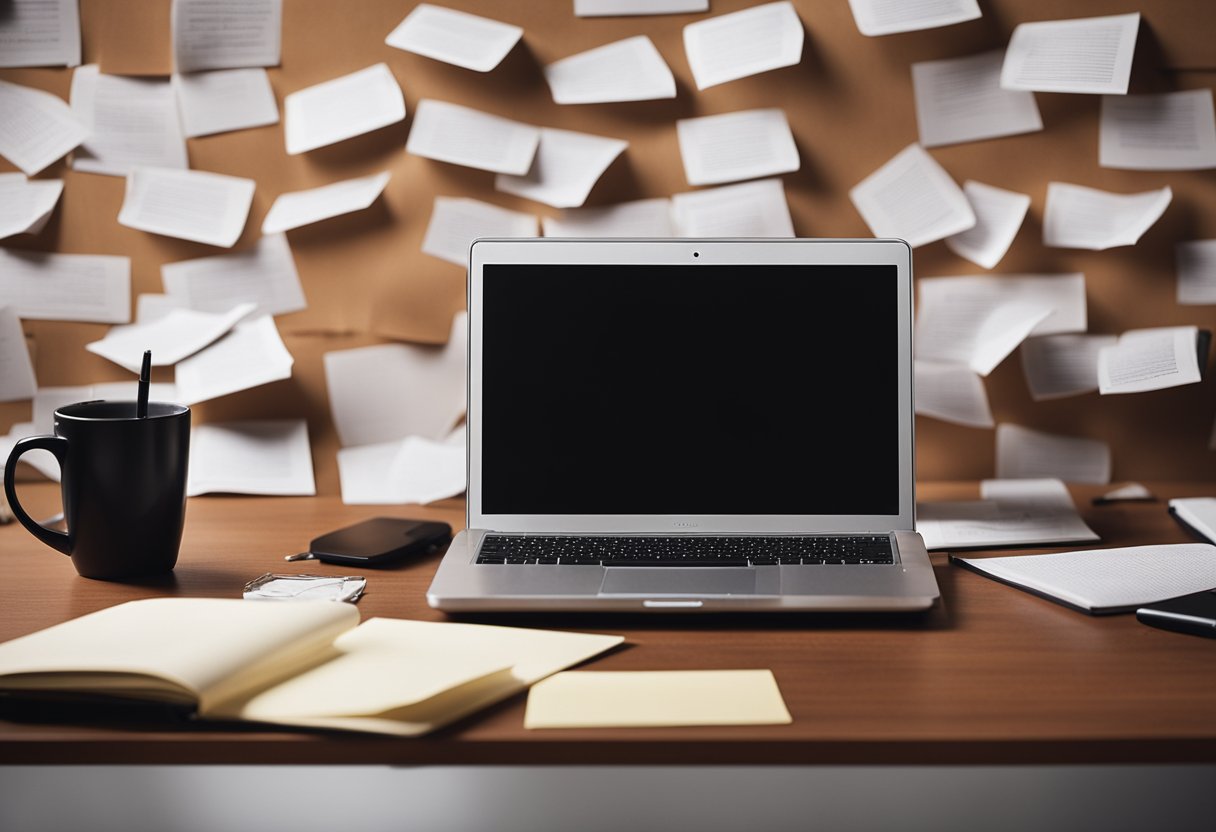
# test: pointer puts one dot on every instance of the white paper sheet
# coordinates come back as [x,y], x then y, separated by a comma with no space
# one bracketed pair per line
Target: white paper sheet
[566,168]
[263,456]
[188,204]
[221,34]
[1022,453]
[1012,513]
[26,204]
[226,100]
[16,370]
[1168,131]
[151,307]
[639,218]
[743,43]
[1080,217]
[1088,55]
[410,470]
[753,209]
[292,210]
[628,8]
[889,17]
[627,70]
[455,37]
[36,127]
[1062,365]
[913,198]
[264,275]
[1149,359]
[251,355]
[390,391]
[40,33]
[961,100]
[131,122]
[953,393]
[734,146]
[464,136]
[457,221]
[66,287]
[998,217]
[342,108]
[1196,261]
[181,333]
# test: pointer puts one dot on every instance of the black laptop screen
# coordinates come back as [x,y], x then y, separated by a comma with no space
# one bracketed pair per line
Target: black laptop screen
[690,390]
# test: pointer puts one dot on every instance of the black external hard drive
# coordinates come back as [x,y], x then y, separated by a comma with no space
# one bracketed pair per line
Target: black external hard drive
[380,541]
[1195,614]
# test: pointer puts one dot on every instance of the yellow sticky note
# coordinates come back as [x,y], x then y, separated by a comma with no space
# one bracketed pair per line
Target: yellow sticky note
[597,699]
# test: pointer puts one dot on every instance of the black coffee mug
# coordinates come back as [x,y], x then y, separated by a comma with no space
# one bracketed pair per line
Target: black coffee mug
[124,486]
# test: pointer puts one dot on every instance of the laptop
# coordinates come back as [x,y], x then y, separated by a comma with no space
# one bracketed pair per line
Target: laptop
[689,426]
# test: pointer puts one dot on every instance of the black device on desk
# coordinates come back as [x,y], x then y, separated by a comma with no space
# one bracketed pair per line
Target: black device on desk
[379,541]
[1194,614]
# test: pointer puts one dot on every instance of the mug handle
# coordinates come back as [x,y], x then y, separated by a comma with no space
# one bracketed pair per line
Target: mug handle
[58,446]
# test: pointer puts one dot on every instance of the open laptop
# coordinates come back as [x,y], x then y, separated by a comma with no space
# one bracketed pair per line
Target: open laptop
[689,426]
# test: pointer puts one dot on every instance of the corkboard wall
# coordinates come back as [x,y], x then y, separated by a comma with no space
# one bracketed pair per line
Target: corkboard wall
[850,105]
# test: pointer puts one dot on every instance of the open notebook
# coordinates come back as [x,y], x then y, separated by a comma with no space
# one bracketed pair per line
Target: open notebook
[306,664]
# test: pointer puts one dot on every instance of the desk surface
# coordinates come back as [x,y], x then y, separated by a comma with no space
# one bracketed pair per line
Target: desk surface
[991,675]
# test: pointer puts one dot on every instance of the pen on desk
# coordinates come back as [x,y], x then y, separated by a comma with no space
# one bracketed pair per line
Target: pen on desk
[145,377]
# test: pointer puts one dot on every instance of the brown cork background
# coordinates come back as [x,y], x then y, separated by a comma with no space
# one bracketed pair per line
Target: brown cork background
[850,105]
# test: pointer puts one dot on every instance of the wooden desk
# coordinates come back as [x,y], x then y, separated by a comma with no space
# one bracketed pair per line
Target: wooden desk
[993,675]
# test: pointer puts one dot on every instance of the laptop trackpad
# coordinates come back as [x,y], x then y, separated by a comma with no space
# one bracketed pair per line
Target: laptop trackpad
[680,580]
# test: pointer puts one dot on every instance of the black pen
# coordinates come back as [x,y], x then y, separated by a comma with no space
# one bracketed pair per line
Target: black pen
[145,377]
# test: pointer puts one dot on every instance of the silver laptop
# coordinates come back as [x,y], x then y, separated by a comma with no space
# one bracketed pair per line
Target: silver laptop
[689,426]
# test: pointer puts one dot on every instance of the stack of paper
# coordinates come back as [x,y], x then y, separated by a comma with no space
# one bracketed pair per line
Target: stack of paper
[627,70]
[1080,217]
[410,470]
[998,217]
[16,370]
[231,99]
[131,122]
[264,275]
[753,209]
[1022,453]
[456,222]
[744,43]
[189,204]
[1062,365]
[179,334]
[913,198]
[883,17]
[734,146]
[1169,131]
[566,167]
[961,100]
[953,393]
[36,128]
[292,210]
[40,33]
[1196,272]
[26,204]
[1149,359]
[218,34]
[349,106]
[1088,55]
[66,287]
[455,37]
[464,136]
[640,218]
[251,355]
[620,8]
[1026,512]
[252,457]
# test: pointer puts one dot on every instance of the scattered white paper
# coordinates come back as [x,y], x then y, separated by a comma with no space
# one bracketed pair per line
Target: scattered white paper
[36,127]
[464,136]
[265,456]
[961,100]
[913,198]
[221,34]
[292,210]
[735,146]
[457,221]
[66,287]
[17,380]
[1022,512]
[131,122]
[1022,453]
[629,8]
[1080,217]
[251,355]
[566,168]
[150,307]
[639,218]
[188,204]
[264,275]
[411,470]
[1088,55]
[998,217]
[743,43]
[1149,359]
[349,106]
[1062,365]
[181,333]
[1196,261]
[455,37]
[753,209]
[1168,131]
[627,70]
[889,17]
[26,204]
[953,393]
[40,33]
[230,99]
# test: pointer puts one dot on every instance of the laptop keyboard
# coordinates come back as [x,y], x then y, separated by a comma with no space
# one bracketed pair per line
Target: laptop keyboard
[685,551]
